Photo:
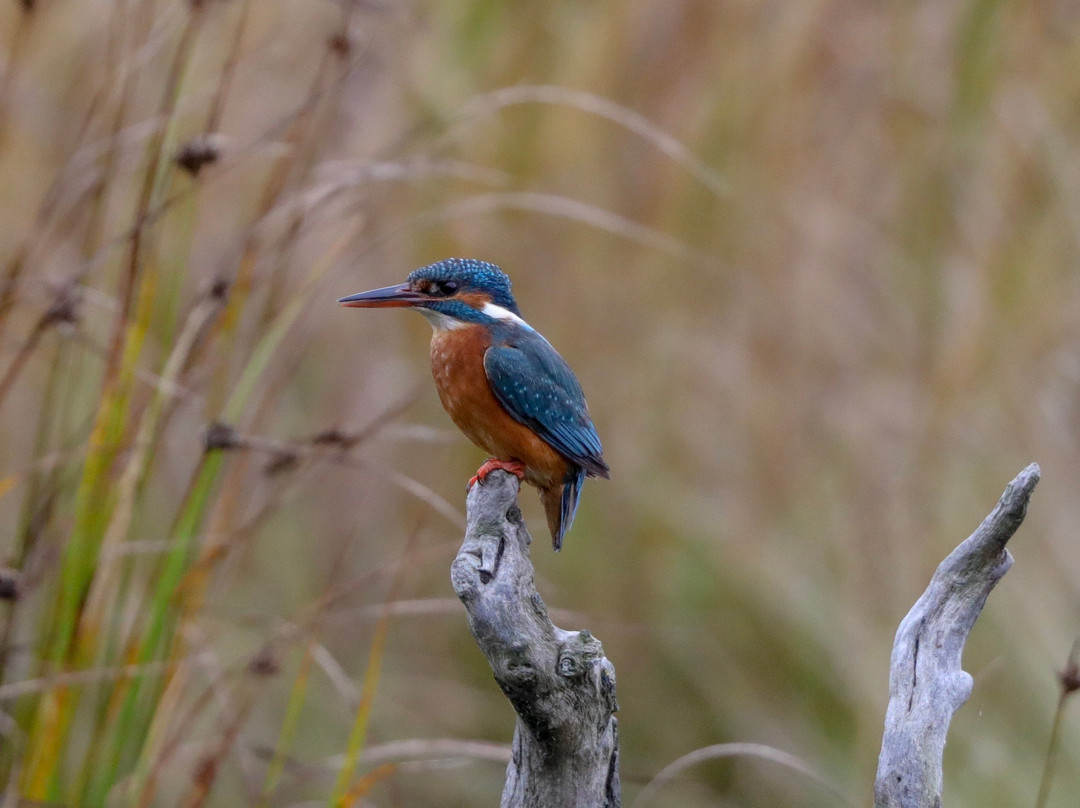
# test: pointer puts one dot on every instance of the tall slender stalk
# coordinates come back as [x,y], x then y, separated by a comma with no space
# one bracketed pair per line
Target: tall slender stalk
[342,794]
[95,495]
[162,610]
[1070,683]
[293,709]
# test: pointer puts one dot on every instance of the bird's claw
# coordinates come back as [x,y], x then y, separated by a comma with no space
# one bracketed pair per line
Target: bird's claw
[515,467]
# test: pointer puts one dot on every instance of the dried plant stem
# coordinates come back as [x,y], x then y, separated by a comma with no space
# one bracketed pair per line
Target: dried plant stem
[23,354]
[93,498]
[217,105]
[210,764]
[142,17]
[14,55]
[301,130]
[163,611]
[293,708]
[1051,753]
[342,795]
[103,586]
[152,184]
[733,750]
[567,208]
[42,486]
[1070,682]
[488,103]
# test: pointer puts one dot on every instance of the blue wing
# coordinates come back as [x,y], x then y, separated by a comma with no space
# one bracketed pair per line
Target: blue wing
[538,389]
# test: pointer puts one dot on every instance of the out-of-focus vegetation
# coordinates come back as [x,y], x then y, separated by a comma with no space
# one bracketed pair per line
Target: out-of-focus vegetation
[814,262]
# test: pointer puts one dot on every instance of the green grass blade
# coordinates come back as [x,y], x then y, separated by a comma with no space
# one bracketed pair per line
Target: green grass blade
[293,709]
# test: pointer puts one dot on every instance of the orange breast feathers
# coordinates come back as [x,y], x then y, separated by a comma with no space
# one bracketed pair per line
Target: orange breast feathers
[457,363]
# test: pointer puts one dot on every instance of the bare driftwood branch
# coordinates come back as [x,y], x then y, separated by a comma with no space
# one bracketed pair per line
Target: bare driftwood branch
[566,746]
[926,683]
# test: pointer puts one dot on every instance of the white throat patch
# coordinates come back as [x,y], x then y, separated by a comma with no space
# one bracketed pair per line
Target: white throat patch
[442,322]
[499,313]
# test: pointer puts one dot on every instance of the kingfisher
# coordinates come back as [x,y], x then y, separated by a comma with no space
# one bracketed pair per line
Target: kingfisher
[501,382]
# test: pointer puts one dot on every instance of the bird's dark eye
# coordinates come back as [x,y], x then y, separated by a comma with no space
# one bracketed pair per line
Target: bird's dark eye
[444,288]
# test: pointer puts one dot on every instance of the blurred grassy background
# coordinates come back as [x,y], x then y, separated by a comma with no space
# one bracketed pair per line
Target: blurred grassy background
[815,264]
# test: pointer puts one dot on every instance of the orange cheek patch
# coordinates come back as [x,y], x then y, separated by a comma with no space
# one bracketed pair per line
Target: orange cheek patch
[474,299]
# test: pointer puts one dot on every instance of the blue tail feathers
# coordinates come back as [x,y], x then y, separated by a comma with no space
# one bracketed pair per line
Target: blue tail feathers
[570,492]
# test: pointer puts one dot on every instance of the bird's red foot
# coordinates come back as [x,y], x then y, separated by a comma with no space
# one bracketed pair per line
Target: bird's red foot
[513,466]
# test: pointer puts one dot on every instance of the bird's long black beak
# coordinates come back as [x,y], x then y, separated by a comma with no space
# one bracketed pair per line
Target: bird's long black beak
[388,297]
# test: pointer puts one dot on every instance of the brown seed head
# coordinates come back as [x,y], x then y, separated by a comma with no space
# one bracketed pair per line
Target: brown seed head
[1070,677]
[200,151]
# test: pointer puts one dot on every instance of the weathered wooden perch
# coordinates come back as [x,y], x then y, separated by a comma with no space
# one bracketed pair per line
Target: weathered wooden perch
[566,744]
[926,683]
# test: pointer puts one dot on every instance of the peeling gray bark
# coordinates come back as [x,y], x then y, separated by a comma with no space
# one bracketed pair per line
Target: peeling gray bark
[926,683]
[566,745]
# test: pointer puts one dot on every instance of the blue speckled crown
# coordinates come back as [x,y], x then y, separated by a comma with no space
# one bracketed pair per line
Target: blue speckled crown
[471,275]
